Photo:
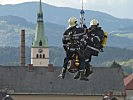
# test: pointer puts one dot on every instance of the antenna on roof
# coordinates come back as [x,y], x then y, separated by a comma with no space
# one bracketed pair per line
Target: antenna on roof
[82,19]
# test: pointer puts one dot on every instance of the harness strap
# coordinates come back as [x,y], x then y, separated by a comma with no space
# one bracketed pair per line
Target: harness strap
[93,48]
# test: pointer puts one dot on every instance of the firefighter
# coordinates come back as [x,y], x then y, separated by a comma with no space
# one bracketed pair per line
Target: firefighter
[71,43]
[94,40]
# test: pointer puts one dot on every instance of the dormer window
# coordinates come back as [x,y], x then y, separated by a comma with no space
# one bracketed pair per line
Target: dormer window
[40,43]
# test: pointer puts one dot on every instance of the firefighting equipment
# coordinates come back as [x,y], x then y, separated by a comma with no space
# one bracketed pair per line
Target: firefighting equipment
[76,60]
[104,42]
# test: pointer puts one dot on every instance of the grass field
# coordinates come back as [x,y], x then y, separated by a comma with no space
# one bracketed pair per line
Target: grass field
[128,35]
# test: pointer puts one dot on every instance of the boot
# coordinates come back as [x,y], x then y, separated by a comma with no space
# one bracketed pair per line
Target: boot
[82,75]
[88,72]
[62,75]
[77,75]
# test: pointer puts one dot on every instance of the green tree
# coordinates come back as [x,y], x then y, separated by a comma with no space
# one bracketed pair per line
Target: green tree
[116,65]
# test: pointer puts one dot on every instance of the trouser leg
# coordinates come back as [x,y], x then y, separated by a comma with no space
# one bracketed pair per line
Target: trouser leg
[88,57]
[66,60]
[81,62]
[82,75]
[77,76]
[63,72]
[82,68]
[88,70]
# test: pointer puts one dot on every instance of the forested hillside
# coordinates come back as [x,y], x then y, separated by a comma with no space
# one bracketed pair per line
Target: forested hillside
[29,10]
[10,27]
[11,56]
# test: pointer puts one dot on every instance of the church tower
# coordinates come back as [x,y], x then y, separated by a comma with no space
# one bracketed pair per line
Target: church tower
[40,50]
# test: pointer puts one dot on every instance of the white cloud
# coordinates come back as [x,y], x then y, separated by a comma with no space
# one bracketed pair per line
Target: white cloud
[14,1]
[118,8]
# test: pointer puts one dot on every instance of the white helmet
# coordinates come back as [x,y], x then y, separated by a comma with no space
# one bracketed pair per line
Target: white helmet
[72,21]
[94,22]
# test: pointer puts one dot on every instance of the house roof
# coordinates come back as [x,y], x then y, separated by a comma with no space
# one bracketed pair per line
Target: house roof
[1,95]
[18,80]
[128,82]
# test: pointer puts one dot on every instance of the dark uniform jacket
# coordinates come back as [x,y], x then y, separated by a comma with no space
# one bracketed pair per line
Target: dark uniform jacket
[94,39]
[71,38]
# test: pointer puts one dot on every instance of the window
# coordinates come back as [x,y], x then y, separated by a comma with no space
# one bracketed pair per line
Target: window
[40,43]
[40,56]
[43,55]
[37,56]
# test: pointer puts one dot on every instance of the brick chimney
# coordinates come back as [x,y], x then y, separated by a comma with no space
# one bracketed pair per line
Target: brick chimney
[22,49]
[30,67]
[50,68]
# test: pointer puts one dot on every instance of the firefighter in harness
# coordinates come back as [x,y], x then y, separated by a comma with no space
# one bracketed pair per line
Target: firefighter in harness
[95,41]
[72,44]
[92,41]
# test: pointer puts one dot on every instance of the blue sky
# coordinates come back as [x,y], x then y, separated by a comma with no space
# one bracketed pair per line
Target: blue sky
[118,8]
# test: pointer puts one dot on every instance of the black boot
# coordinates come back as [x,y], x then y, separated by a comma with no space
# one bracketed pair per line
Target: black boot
[88,70]
[82,76]
[77,75]
[63,72]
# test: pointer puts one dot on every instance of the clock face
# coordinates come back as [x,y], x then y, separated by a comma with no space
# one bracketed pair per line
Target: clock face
[40,50]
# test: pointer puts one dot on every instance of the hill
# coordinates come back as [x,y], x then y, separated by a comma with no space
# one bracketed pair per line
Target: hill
[57,55]
[28,11]
[10,27]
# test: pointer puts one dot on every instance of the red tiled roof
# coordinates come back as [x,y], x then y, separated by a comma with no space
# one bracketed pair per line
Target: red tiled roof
[128,82]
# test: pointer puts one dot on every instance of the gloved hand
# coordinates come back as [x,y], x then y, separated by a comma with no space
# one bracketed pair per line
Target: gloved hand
[101,50]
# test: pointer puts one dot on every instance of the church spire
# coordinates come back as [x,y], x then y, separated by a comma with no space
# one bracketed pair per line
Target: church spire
[40,7]
[40,50]
[40,38]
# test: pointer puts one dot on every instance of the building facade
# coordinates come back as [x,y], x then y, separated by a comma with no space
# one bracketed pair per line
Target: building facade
[60,97]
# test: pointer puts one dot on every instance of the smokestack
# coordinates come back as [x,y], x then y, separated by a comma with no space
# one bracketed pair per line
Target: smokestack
[22,49]
[30,67]
[50,68]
